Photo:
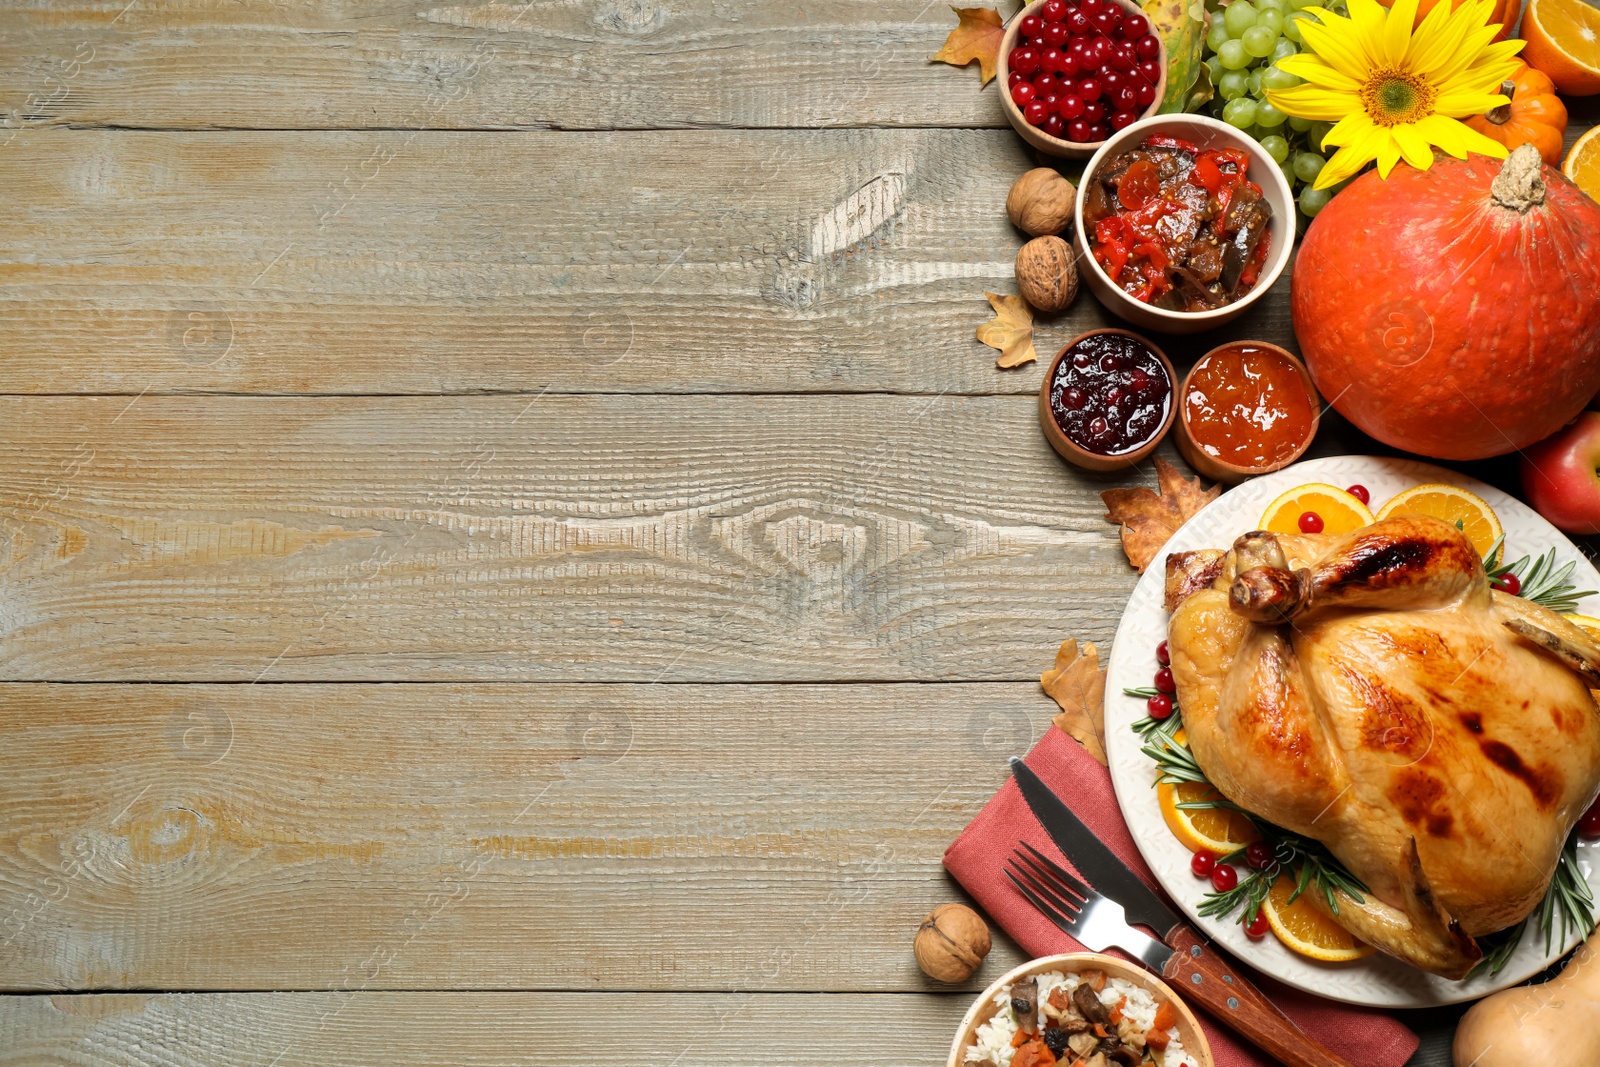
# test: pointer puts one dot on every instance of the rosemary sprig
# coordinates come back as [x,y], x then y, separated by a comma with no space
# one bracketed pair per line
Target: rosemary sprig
[1543,582]
[1146,726]
[1569,900]
[1497,949]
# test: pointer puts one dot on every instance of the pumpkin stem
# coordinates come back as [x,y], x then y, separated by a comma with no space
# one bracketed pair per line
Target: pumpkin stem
[1520,183]
[1501,114]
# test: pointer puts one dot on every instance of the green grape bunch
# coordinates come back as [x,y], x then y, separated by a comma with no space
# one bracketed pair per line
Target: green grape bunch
[1245,41]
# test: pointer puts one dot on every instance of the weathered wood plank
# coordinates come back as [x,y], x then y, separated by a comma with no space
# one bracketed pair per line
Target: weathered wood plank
[374,262]
[473,1029]
[554,539]
[491,836]
[484,64]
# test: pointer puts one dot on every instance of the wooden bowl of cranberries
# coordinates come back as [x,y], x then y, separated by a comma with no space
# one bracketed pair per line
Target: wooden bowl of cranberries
[1073,72]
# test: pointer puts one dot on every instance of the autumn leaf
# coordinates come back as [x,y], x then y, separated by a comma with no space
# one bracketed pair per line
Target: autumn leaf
[976,36]
[1011,330]
[1181,24]
[1079,685]
[1149,521]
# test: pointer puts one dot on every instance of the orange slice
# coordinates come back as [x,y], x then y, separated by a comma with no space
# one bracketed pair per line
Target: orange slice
[1564,42]
[1217,829]
[1340,512]
[1305,929]
[1582,164]
[1469,511]
[1587,623]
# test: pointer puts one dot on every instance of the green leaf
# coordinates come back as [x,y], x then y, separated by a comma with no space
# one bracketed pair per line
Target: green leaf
[1175,23]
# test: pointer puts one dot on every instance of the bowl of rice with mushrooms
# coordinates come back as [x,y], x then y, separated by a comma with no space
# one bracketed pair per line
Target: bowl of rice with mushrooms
[1079,1010]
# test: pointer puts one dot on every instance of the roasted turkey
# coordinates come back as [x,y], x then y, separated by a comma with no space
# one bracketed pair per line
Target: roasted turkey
[1372,692]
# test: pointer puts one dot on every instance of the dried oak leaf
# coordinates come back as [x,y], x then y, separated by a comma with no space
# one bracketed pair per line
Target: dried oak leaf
[1079,685]
[1011,331]
[976,36]
[1149,521]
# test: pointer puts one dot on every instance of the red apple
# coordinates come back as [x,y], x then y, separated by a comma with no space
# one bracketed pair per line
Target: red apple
[1561,475]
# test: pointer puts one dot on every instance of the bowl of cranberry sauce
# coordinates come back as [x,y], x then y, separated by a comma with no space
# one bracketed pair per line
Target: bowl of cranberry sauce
[1073,72]
[1107,399]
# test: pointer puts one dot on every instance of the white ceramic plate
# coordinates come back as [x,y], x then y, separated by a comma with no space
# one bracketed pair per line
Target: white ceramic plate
[1378,980]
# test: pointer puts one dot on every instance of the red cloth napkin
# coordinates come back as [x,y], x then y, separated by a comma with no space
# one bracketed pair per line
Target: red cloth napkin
[977,860]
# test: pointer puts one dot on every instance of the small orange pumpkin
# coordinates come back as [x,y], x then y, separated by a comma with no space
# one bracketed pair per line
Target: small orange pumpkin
[1535,115]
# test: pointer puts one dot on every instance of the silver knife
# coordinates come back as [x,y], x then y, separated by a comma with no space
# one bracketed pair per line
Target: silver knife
[1180,955]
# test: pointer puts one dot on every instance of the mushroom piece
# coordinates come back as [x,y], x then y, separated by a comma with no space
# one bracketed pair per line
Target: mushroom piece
[1025,1003]
[1087,1001]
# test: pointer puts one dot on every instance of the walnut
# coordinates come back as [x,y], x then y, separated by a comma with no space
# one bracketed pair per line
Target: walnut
[1046,275]
[1041,202]
[951,943]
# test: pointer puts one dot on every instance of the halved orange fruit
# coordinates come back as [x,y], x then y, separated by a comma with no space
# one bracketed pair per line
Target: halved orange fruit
[1217,829]
[1564,42]
[1339,511]
[1582,164]
[1305,929]
[1467,511]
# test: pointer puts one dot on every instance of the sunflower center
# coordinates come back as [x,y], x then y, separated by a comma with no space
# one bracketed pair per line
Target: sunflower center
[1392,97]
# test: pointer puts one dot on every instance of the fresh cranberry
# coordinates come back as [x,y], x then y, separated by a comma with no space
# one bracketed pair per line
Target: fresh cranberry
[1163,654]
[1054,125]
[1121,120]
[1589,823]
[1361,493]
[1012,79]
[1126,98]
[1159,706]
[1310,522]
[1089,89]
[1257,928]
[1099,132]
[1259,855]
[1135,27]
[1035,113]
[1151,70]
[1145,95]
[1123,57]
[1111,80]
[1107,20]
[1146,47]
[1077,21]
[1024,59]
[1509,583]
[1046,85]
[1078,130]
[1223,877]
[1164,681]
[1053,10]
[1100,48]
[1202,863]
[1022,94]
[1070,106]
[1093,112]
[1055,34]
[1089,7]
[1053,61]
[1031,25]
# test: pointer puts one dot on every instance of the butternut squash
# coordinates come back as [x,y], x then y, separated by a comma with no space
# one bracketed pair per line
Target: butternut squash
[1556,1024]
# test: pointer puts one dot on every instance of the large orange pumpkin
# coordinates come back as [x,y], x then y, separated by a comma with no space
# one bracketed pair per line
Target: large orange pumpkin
[1454,312]
[1505,13]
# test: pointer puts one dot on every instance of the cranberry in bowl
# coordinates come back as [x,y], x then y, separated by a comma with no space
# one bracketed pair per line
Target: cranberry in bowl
[1072,72]
[1107,399]
[1182,222]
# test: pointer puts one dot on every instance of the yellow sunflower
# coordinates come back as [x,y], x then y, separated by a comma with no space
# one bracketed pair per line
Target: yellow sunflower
[1392,92]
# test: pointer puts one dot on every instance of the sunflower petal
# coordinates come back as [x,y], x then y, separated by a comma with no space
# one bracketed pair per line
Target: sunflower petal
[1458,139]
[1464,105]
[1310,102]
[1473,42]
[1342,165]
[1349,130]
[1310,68]
[1397,31]
[1388,152]
[1441,132]
[1435,41]
[1369,16]
[1339,50]
[1413,146]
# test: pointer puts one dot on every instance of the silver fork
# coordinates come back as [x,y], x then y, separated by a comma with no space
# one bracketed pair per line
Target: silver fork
[1099,922]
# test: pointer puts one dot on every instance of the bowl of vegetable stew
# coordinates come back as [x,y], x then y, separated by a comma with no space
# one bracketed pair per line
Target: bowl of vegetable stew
[1080,1007]
[1183,222]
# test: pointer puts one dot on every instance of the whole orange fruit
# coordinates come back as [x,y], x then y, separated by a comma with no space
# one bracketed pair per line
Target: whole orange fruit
[1454,312]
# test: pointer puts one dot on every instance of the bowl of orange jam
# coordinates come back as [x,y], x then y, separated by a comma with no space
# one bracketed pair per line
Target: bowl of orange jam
[1246,408]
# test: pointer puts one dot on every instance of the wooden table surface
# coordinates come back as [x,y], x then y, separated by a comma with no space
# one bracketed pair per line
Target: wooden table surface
[509,542]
